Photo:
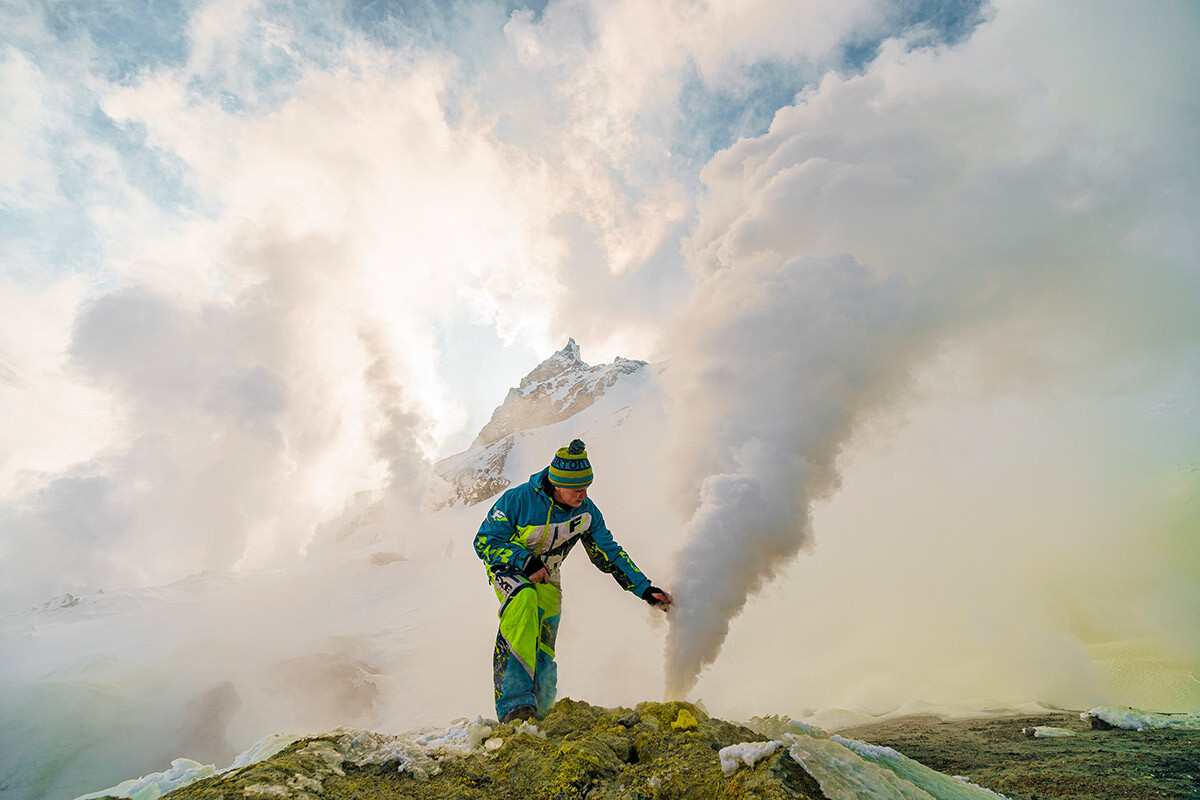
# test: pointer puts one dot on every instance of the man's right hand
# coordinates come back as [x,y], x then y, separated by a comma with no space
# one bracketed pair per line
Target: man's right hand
[536,571]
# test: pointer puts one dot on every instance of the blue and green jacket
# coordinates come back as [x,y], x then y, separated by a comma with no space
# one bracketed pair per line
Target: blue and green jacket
[525,523]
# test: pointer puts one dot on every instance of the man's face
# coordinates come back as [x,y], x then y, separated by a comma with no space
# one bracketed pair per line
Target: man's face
[571,498]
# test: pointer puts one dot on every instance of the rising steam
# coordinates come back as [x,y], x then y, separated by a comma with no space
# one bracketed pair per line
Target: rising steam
[799,351]
[1003,209]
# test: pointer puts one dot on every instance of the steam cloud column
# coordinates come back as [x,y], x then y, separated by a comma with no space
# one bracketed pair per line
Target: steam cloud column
[771,368]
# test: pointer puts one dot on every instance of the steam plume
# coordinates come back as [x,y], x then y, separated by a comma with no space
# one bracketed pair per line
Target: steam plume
[799,350]
[1004,209]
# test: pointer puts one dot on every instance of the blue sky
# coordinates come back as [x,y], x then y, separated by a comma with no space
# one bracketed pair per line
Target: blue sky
[121,43]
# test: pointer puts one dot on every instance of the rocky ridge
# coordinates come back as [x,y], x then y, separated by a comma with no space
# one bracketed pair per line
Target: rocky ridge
[556,389]
[659,751]
[559,387]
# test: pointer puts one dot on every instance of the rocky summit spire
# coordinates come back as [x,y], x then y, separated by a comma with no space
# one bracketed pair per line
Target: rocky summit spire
[565,359]
[559,387]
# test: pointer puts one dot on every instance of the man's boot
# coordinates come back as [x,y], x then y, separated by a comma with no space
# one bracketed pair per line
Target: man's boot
[518,713]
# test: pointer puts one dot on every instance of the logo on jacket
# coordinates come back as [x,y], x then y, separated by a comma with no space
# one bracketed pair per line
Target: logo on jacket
[498,515]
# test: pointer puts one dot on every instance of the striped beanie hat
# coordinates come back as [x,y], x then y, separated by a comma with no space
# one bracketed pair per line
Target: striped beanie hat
[570,467]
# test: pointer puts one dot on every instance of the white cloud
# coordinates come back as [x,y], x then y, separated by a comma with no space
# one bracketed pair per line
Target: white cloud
[616,72]
[346,204]
[273,350]
[61,421]
[217,31]
[25,176]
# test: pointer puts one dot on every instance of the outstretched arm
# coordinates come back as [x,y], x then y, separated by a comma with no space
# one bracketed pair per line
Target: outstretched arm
[610,557]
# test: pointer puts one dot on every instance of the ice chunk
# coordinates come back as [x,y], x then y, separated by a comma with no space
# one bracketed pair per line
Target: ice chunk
[530,729]
[1135,720]
[844,775]
[153,786]
[1046,732]
[748,753]
[936,784]
[263,749]
[367,747]
[459,739]
[847,769]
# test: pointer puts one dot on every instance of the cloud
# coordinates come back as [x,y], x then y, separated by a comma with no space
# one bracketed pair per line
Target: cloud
[283,219]
[265,354]
[617,72]
[24,170]
[54,420]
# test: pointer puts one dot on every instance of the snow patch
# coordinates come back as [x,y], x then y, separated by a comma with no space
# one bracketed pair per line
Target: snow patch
[263,749]
[1046,732]
[1134,720]
[153,786]
[529,729]
[417,752]
[748,753]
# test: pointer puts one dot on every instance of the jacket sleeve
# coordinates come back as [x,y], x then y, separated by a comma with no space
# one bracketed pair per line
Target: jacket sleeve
[608,556]
[495,544]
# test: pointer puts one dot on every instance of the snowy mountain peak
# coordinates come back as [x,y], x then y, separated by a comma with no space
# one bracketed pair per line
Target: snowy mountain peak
[565,359]
[559,387]
[556,389]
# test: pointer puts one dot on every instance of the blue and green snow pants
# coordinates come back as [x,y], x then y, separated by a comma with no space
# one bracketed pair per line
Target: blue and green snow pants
[523,668]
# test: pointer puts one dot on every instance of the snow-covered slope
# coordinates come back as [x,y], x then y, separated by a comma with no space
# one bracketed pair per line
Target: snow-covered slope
[558,388]
[473,475]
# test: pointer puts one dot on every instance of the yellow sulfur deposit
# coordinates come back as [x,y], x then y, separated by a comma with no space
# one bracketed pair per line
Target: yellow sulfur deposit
[685,721]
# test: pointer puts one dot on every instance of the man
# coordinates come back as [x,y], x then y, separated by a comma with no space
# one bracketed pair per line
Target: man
[523,542]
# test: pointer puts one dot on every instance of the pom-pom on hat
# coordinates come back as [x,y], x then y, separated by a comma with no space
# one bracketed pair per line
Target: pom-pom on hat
[570,467]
